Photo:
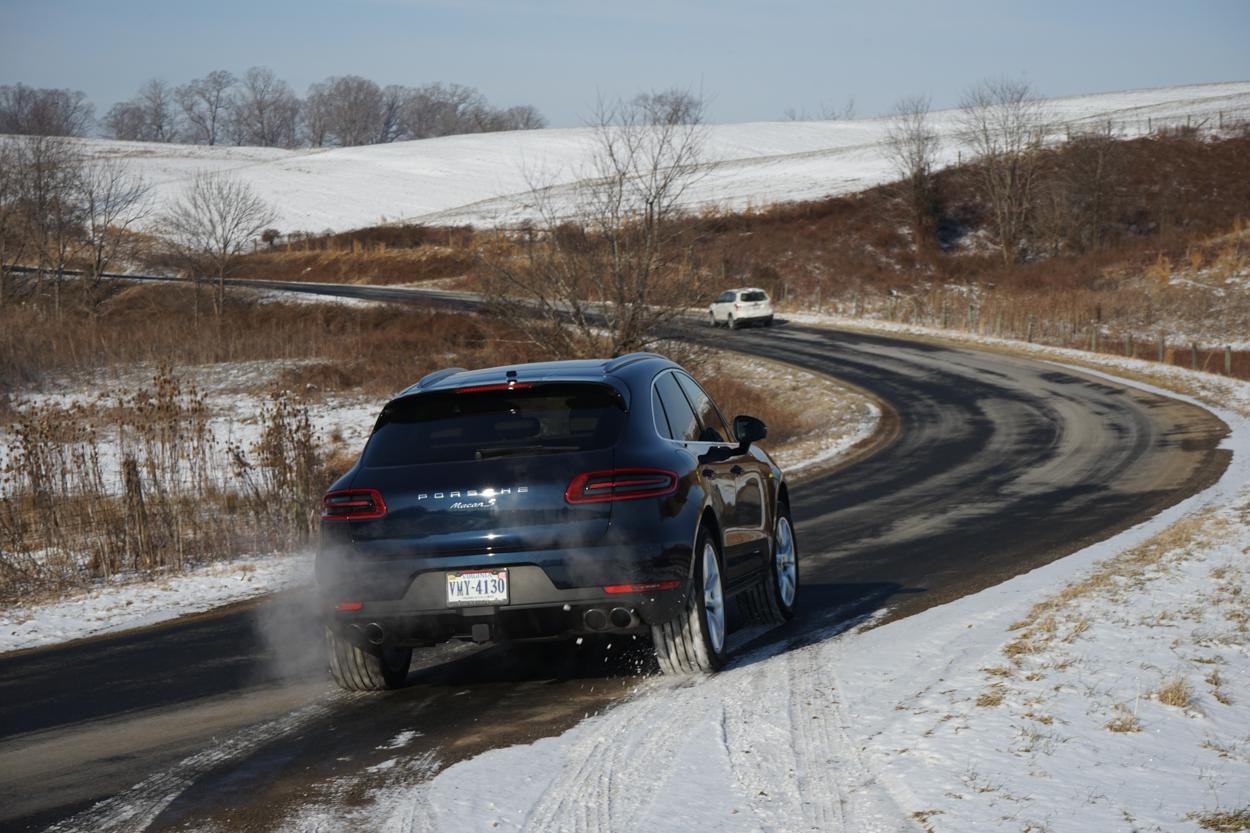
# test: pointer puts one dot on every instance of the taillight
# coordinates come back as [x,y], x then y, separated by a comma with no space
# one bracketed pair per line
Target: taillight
[500,386]
[620,484]
[353,505]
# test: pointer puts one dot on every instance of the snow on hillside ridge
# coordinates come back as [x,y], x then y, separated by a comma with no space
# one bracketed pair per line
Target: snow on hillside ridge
[483,179]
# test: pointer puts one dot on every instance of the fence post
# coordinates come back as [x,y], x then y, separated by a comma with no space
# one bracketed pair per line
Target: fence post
[1193,356]
[1162,346]
[1129,347]
[969,324]
[1228,360]
[1029,337]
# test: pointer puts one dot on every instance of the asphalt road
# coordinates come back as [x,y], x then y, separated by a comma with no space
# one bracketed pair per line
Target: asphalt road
[996,465]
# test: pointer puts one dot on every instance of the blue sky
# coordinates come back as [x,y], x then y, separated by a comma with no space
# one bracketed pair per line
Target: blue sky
[754,60]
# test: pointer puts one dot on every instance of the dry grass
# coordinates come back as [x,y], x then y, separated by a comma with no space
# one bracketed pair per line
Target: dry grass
[1176,691]
[992,697]
[1124,721]
[1216,682]
[140,483]
[377,349]
[1224,821]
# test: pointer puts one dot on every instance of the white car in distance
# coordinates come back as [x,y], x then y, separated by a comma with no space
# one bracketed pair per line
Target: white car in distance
[739,307]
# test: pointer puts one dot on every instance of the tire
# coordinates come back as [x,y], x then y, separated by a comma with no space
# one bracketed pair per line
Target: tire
[711,319]
[358,669]
[768,322]
[771,602]
[731,323]
[694,642]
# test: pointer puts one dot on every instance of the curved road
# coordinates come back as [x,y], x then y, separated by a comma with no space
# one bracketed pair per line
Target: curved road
[998,465]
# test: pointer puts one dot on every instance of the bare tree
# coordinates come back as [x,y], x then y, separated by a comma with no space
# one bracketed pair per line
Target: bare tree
[43,112]
[607,272]
[345,111]
[265,112]
[13,234]
[1004,123]
[672,106]
[125,120]
[113,202]
[391,122]
[151,116]
[205,104]
[51,167]
[522,117]
[315,116]
[912,145]
[211,223]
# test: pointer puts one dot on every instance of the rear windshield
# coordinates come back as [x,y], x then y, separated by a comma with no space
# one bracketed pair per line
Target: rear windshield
[450,427]
[757,295]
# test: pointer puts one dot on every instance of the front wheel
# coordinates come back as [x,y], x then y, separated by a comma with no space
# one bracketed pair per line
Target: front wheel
[356,668]
[694,642]
[731,323]
[771,602]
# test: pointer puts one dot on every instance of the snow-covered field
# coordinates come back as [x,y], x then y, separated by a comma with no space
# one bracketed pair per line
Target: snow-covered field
[485,179]
[1104,692]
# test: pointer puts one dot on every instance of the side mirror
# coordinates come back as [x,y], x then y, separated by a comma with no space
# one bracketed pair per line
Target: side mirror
[748,429]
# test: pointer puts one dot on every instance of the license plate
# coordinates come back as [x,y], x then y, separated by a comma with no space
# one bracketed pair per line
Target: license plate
[476,587]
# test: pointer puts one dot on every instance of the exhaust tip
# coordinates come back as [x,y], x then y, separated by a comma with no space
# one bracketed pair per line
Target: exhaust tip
[596,618]
[623,618]
[374,633]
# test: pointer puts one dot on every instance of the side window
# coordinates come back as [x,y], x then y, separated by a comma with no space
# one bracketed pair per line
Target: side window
[714,429]
[661,419]
[725,298]
[683,423]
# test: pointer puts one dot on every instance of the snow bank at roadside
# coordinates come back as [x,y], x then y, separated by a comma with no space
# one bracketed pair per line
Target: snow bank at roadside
[138,601]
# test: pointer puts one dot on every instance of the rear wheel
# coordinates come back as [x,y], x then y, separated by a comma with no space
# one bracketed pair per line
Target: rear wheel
[356,668]
[711,319]
[694,642]
[731,323]
[771,601]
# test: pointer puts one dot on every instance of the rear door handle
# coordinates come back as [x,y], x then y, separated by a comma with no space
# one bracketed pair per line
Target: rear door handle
[708,473]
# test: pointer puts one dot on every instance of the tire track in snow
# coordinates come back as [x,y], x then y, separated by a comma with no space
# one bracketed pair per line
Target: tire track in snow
[600,789]
[824,783]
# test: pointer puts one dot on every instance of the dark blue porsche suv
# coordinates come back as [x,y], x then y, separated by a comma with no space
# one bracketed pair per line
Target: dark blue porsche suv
[552,500]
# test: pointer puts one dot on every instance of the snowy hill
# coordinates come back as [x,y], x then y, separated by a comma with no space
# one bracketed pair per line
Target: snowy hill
[482,179]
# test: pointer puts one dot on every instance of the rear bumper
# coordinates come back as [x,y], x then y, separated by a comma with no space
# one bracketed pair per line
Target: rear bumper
[536,609]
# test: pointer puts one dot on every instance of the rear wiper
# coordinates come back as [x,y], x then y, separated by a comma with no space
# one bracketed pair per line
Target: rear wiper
[520,450]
